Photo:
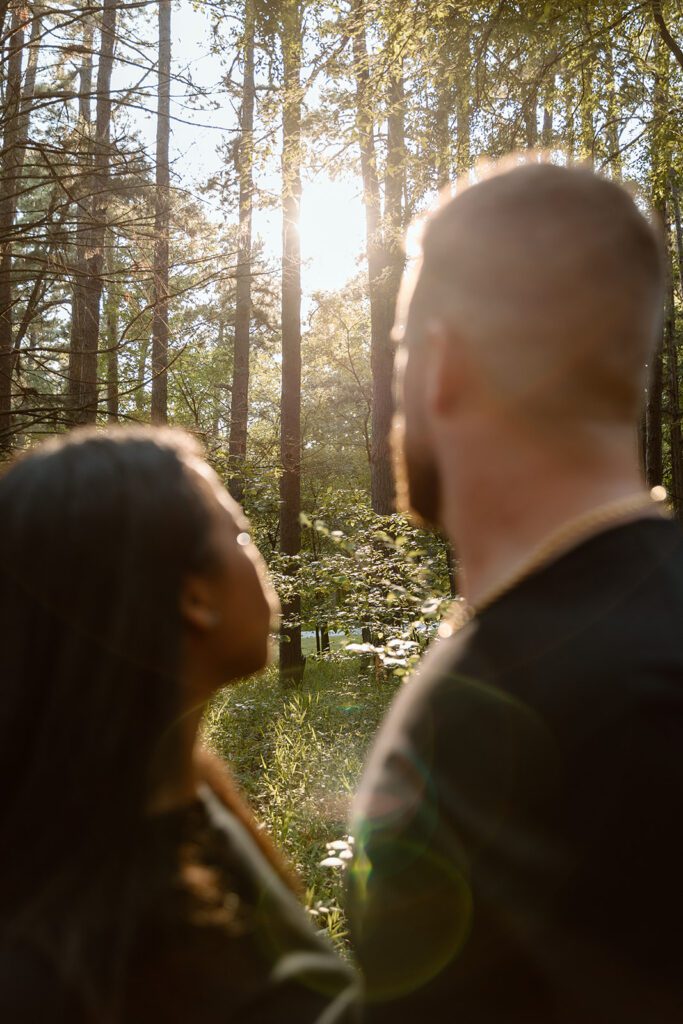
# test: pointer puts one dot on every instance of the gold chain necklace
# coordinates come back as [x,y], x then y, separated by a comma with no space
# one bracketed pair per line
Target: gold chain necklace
[565,537]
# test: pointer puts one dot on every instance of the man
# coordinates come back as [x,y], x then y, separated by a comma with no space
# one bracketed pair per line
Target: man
[519,853]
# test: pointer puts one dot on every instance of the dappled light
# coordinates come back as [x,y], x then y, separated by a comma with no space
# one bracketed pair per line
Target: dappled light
[341,472]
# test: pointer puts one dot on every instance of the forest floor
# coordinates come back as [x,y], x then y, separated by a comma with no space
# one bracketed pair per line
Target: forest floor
[298,755]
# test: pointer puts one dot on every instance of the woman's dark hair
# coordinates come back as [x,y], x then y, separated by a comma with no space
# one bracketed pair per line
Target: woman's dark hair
[98,532]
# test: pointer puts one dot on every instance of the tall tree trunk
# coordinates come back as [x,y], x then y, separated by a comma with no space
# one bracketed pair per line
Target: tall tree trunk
[112,365]
[659,157]
[140,376]
[161,224]
[673,402]
[530,115]
[587,97]
[291,658]
[219,387]
[76,343]
[444,104]
[442,155]
[381,313]
[612,127]
[463,109]
[382,353]
[26,106]
[587,150]
[654,459]
[641,440]
[94,257]
[547,131]
[569,103]
[672,354]
[4,4]
[450,568]
[29,86]
[112,335]
[10,170]
[239,406]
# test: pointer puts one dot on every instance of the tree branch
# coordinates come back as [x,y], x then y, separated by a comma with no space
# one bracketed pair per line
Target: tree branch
[664,31]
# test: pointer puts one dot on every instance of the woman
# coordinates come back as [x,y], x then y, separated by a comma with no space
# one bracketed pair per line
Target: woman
[133,885]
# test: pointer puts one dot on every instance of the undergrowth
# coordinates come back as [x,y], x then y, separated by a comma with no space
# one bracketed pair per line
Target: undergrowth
[298,756]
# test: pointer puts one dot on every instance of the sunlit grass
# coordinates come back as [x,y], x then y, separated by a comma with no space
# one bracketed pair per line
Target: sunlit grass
[298,755]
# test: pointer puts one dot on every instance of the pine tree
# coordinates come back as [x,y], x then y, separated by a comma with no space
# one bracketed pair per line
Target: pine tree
[161,223]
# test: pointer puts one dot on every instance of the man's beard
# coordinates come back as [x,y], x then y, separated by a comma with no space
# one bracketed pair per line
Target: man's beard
[418,488]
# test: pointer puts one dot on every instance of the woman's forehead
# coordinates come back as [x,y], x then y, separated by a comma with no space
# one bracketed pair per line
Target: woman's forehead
[230,506]
[225,501]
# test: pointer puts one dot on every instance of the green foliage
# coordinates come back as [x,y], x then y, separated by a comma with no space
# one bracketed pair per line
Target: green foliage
[359,570]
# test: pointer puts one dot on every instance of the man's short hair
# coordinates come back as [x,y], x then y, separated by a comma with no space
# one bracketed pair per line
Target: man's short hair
[556,279]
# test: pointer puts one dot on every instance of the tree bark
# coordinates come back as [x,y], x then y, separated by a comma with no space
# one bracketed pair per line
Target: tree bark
[654,459]
[382,352]
[29,86]
[239,406]
[379,269]
[112,333]
[450,568]
[94,258]
[654,448]
[219,387]
[444,104]
[24,118]
[672,358]
[547,131]
[161,223]
[530,113]
[291,658]
[673,397]
[4,4]
[11,160]
[612,128]
[587,96]
[666,36]
[76,343]
[112,366]
[143,353]
[462,108]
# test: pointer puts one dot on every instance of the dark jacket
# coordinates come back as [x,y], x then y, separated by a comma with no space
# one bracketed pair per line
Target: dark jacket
[518,830]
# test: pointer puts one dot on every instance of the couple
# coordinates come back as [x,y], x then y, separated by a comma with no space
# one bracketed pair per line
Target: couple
[518,846]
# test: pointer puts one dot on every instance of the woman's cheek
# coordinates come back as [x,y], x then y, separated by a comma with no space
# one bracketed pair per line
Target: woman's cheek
[255,596]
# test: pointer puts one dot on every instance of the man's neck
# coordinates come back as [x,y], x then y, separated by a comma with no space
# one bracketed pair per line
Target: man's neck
[497,520]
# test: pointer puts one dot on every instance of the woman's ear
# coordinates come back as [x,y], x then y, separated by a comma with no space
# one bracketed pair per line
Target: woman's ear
[198,604]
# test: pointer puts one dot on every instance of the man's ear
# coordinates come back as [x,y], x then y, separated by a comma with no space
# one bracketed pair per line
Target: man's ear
[197,605]
[444,375]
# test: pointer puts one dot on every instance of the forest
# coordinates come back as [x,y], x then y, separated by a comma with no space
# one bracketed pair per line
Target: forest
[205,215]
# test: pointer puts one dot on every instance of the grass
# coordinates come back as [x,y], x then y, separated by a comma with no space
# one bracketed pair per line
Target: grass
[298,755]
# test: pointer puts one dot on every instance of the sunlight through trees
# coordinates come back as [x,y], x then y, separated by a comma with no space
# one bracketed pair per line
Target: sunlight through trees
[202,219]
